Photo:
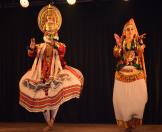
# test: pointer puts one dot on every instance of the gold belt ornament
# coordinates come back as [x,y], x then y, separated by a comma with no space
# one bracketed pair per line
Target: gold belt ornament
[129,77]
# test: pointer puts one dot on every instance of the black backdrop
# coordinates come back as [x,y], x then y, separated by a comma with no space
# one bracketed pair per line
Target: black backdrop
[87,30]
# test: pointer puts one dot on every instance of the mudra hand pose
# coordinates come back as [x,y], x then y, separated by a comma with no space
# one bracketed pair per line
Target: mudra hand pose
[130,91]
[50,82]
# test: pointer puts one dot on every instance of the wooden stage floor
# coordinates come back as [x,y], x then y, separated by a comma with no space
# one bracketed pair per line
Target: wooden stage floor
[60,127]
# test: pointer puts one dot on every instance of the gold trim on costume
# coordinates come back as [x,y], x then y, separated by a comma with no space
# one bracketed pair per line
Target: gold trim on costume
[129,76]
[127,124]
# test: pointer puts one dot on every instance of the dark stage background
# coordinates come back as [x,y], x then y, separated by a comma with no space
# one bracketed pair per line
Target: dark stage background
[87,30]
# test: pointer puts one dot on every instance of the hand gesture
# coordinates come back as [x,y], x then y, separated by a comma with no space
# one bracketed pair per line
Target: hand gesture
[32,43]
[141,37]
[118,39]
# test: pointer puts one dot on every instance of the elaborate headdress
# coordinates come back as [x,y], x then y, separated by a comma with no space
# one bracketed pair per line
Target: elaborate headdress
[130,22]
[49,21]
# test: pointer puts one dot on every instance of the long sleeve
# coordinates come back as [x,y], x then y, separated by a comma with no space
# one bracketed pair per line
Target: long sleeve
[31,53]
[140,49]
[62,51]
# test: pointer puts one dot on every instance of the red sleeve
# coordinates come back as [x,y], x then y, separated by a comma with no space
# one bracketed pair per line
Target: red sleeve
[62,51]
[31,53]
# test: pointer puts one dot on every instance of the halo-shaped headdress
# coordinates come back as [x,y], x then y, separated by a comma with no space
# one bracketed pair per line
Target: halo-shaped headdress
[130,22]
[54,14]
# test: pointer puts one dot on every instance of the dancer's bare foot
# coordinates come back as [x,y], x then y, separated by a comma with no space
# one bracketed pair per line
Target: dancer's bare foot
[47,128]
[133,124]
[51,122]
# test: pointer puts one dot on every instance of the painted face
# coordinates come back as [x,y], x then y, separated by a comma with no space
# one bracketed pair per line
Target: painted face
[48,39]
[129,32]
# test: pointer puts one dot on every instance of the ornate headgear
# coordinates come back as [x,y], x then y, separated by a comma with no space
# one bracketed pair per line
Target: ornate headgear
[49,21]
[130,22]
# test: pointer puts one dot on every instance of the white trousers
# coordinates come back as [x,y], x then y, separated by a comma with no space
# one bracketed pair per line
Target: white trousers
[50,114]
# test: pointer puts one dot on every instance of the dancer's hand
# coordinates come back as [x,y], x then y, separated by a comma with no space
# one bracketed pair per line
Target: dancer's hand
[32,43]
[118,39]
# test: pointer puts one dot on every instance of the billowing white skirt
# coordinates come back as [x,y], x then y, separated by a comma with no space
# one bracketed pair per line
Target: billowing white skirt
[35,98]
[129,98]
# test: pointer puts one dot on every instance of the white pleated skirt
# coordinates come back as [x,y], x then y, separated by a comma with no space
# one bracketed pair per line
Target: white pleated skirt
[129,99]
[37,100]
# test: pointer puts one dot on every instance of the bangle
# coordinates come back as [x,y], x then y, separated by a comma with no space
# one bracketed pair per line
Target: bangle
[28,48]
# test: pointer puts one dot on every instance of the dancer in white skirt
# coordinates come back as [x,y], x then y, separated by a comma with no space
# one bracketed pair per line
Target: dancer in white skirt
[50,82]
[130,90]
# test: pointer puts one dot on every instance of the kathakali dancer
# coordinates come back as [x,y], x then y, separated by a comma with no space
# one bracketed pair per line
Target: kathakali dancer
[130,89]
[50,82]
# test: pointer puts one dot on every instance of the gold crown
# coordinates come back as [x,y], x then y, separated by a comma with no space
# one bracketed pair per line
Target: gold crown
[130,22]
[49,19]
[50,25]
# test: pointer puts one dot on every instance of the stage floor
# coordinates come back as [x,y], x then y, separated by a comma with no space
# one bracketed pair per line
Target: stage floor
[59,127]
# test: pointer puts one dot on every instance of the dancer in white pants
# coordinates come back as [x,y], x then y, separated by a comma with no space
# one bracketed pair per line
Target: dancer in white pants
[130,91]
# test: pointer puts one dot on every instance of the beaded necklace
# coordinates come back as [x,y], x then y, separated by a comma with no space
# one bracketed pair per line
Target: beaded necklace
[132,46]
